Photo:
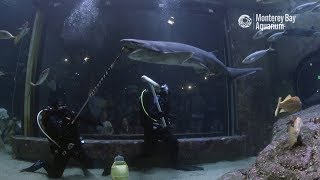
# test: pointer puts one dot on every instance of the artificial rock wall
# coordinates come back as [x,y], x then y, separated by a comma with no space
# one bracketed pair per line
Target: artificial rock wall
[256,95]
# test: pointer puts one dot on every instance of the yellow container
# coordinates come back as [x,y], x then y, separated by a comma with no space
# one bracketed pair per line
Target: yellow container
[119,169]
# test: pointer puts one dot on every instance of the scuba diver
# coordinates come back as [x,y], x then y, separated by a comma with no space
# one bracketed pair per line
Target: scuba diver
[155,119]
[63,136]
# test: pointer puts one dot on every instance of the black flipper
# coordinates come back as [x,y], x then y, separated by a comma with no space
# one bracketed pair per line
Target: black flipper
[37,165]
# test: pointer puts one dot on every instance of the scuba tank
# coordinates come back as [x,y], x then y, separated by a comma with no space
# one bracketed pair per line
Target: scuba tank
[119,169]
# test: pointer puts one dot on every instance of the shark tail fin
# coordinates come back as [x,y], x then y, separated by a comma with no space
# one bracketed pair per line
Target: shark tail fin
[236,73]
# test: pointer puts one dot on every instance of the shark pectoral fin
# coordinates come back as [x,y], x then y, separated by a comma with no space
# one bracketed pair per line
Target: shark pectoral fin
[182,57]
[137,51]
[135,55]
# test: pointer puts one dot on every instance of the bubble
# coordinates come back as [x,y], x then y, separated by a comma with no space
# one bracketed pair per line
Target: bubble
[82,18]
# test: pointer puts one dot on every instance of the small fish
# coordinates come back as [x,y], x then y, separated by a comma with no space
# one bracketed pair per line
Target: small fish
[23,31]
[262,33]
[42,78]
[2,73]
[304,7]
[6,35]
[275,36]
[301,32]
[257,55]
[294,129]
[289,104]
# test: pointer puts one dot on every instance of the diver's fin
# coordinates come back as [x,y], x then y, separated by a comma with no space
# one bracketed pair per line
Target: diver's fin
[182,57]
[235,73]
[278,107]
[37,165]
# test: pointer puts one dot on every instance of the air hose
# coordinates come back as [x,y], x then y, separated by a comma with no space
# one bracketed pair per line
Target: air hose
[142,104]
[42,130]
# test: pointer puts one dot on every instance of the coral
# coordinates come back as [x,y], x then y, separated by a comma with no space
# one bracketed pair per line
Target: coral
[8,127]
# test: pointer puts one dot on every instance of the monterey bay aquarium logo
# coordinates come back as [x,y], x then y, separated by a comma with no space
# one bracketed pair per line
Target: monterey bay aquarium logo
[261,22]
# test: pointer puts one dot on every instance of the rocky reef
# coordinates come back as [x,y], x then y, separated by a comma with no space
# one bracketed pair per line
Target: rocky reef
[8,127]
[278,161]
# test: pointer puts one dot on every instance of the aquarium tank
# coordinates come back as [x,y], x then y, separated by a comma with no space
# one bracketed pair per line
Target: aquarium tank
[194,81]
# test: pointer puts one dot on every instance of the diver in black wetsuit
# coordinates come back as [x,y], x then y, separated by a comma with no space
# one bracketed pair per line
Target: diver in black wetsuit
[65,141]
[150,119]
[154,130]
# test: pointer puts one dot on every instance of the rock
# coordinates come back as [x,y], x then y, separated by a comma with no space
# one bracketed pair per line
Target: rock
[12,128]
[235,175]
[277,161]
[3,119]
[3,114]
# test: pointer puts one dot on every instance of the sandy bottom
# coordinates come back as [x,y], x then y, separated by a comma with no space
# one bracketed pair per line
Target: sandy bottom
[9,170]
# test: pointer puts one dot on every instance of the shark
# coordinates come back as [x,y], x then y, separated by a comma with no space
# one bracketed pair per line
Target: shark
[179,54]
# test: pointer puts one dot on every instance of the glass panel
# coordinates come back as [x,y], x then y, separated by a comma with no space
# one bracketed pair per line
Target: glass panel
[80,45]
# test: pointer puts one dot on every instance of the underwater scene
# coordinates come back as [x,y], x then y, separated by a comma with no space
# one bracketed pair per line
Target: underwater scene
[160,89]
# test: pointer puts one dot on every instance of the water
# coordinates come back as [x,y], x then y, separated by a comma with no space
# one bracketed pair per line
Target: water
[81,42]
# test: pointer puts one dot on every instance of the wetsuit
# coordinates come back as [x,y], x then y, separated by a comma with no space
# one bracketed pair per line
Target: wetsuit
[151,121]
[57,124]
